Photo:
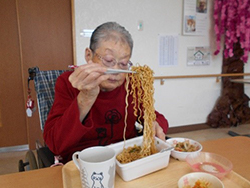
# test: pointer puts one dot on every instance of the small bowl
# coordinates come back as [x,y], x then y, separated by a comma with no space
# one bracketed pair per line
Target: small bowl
[212,163]
[190,179]
[181,155]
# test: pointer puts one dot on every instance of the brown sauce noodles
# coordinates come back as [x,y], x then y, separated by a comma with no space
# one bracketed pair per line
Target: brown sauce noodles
[142,91]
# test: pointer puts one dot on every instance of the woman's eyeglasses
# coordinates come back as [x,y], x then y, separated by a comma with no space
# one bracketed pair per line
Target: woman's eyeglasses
[113,62]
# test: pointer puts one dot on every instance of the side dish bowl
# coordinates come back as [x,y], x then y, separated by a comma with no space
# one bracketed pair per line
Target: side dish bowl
[146,165]
[181,155]
[212,163]
[189,180]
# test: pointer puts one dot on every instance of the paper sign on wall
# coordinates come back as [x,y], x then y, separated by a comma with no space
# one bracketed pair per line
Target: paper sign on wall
[195,19]
[198,55]
[168,50]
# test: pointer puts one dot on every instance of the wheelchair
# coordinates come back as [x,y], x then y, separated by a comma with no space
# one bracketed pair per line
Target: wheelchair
[44,82]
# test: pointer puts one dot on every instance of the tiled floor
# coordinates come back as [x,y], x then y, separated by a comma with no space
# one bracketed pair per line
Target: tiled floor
[9,160]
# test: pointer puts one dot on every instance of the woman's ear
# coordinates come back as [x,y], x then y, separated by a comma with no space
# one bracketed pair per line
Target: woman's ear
[88,54]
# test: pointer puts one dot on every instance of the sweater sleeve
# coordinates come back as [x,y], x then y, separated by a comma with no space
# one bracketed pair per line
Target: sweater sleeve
[162,121]
[63,128]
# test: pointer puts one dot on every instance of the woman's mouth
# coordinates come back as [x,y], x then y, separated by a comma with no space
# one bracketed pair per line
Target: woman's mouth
[112,80]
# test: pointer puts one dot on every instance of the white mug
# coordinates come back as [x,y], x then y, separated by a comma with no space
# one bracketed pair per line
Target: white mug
[96,166]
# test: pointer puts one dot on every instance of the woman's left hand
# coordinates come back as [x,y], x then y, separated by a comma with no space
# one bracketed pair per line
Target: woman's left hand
[159,131]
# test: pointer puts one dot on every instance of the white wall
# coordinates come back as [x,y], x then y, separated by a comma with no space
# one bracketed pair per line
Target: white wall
[182,101]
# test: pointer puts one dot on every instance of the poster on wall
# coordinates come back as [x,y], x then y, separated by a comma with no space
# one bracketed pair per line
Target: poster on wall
[198,55]
[168,50]
[195,18]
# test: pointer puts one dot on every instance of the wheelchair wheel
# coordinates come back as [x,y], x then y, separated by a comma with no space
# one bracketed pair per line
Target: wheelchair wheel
[30,161]
[40,162]
[21,166]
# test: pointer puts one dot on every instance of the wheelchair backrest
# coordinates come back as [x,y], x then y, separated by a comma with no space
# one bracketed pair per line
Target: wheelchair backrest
[45,90]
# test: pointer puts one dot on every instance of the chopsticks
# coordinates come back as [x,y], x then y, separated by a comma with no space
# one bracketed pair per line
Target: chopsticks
[109,71]
[114,71]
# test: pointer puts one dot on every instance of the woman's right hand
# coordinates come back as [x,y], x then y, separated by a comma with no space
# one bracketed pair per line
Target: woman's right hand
[87,78]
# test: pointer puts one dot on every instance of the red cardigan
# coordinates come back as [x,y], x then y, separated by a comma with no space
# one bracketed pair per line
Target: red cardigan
[64,134]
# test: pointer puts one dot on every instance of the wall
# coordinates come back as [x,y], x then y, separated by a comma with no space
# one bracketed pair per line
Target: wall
[33,33]
[13,130]
[183,101]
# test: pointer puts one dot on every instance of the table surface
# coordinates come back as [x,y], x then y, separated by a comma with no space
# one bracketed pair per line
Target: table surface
[236,149]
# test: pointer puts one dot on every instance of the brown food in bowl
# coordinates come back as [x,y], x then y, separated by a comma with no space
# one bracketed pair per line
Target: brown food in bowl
[131,154]
[185,146]
[200,183]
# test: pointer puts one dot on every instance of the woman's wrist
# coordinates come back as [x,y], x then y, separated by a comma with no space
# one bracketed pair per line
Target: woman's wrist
[84,105]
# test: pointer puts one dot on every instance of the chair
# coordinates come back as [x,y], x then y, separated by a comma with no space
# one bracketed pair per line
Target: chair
[44,82]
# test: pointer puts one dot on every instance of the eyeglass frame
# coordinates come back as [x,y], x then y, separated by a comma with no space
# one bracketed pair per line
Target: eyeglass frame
[114,62]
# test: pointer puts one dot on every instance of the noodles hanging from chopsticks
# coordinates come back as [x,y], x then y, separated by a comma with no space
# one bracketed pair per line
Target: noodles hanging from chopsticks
[142,91]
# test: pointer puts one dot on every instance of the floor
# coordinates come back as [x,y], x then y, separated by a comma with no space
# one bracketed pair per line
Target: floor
[213,133]
[9,160]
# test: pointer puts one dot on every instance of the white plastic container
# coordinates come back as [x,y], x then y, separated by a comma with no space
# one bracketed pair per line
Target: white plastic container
[142,166]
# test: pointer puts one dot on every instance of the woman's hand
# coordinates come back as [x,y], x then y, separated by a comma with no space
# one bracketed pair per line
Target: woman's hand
[159,131]
[87,78]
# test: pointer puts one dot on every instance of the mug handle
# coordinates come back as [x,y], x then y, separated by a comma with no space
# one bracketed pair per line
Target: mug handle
[75,159]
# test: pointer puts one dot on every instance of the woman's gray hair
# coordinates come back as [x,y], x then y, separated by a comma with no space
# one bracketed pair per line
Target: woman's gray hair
[110,30]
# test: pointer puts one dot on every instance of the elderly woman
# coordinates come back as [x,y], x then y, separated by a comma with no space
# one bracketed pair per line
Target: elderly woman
[89,105]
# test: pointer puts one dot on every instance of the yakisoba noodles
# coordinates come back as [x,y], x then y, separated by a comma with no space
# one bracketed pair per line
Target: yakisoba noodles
[142,91]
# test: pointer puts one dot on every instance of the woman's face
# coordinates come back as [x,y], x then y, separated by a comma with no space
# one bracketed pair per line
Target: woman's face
[112,50]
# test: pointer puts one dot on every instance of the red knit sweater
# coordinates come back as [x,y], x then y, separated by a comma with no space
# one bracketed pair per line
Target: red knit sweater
[64,134]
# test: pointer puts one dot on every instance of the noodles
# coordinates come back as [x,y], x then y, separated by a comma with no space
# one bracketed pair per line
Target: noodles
[126,109]
[129,154]
[142,91]
[185,146]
